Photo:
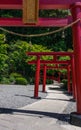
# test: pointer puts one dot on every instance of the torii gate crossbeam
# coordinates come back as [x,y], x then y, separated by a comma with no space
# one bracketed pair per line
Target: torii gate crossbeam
[43,4]
[42,22]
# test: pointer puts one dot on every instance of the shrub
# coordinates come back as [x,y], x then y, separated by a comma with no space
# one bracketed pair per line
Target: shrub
[49,81]
[16,78]
[5,81]
[15,75]
[12,80]
[21,81]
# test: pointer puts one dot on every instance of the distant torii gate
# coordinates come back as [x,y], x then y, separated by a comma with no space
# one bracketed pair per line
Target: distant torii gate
[68,68]
[75,9]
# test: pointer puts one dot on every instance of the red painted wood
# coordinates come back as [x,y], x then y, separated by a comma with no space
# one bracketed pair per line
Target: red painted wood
[50,62]
[77,53]
[50,53]
[43,4]
[68,83]
[42,22]
[44,79]
[54,67]
[37,78]
[73,77]
[56,4]
[55,59]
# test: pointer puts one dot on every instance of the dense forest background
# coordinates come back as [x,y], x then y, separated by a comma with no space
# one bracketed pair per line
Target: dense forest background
[13,58]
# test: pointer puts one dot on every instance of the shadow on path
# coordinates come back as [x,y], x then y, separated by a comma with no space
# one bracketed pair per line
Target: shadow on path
[68,100]
[33,113]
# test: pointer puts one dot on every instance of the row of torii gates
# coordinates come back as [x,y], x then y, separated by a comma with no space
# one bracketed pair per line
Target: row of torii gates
[30,9]
[57,64]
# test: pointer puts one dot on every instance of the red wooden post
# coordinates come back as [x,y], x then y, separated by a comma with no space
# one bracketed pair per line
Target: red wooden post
[44,78]
[68,76]
[37,77]
[73,77]
[55,59]
[76,13]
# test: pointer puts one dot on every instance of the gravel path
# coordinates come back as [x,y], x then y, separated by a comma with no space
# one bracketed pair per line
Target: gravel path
[16,96]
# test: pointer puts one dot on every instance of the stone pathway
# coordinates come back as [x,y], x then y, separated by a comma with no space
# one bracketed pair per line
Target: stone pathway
[45,114]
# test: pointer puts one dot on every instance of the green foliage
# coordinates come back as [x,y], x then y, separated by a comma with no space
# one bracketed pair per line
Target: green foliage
[21,81]
[64,58]
[5,80]
[4,68]
[49,81]
[64,71]
[12,80]
[53,13]
[50,72]
[10,13]
[39,48]
[2,36]
[16,78]
[15,75]
[60,46]
[18,58]
[64,81]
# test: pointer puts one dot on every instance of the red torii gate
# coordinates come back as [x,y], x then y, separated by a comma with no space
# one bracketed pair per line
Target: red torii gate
[68,68]
[38,62]
[75,8]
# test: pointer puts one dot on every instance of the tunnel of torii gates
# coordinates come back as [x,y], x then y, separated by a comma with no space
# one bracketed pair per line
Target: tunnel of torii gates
[45,76]
[30,17]
[69,65]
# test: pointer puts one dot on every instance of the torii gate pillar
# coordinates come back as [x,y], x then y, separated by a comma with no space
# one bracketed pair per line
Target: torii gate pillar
[73,77]
[68,77]
[76,13]
[44,79]
[37,78]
